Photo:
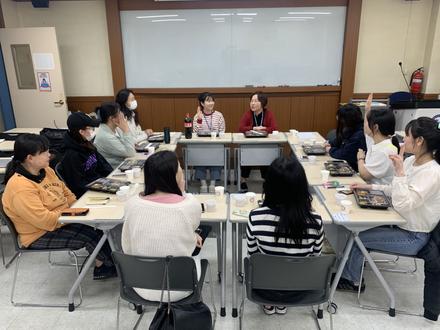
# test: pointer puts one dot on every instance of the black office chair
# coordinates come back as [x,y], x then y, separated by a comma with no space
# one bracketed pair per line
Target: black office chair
[308,276]
[59,171]
[147,273]
[19,251]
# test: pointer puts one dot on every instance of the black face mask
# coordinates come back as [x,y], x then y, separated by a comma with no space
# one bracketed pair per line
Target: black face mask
[36,178]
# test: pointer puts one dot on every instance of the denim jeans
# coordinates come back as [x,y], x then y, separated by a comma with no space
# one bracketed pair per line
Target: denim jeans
[387,239]
[215,172]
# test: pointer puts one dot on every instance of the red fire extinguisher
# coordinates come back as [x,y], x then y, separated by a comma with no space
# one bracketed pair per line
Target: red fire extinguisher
[416,81]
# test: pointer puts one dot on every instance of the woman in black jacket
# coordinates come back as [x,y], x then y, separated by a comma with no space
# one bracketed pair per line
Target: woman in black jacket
[82,163]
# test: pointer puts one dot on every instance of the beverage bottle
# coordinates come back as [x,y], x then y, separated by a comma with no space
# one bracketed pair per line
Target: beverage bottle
[188,124]
[166,135]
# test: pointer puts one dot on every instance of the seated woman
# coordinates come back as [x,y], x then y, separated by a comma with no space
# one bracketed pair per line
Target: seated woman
[126,100]
[258,118]
[208,120]
[349,135]
[34,199]
[82,163]
[162,221]
[379,126]
[285,224]
[113,140]
[414,192]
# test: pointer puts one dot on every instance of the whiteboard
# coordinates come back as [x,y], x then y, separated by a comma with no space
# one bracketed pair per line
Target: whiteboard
[233,47]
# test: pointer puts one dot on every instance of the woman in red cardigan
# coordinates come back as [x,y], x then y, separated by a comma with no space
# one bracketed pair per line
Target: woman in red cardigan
[258,118]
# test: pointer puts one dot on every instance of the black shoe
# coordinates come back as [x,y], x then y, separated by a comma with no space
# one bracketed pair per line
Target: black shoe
[243,187]
[104,272]
[346,285]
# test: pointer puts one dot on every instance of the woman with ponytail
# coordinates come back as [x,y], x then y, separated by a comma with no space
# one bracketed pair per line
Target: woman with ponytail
[415,195]
[34,198]
[379,127]
[285,224]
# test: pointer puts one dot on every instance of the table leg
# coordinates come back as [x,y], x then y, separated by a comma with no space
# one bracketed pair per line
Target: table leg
[234,270]
[223,284]
[341,267]
[225,169]
[85,269]
[240,251]
[392,310]
[238,169]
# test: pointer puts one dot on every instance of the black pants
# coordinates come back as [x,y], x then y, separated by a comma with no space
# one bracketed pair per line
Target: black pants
[75,236]
[246,171]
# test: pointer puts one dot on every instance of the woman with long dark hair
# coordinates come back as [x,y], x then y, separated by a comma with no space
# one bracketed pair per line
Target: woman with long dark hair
[349,135]
[127,101]
[414,191]
[285,224]
[34,199]
[82,163]
[162,221]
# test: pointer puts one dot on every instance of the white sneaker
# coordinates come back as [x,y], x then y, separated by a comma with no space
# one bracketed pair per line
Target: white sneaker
[211,189]
[281,310]
[203,189]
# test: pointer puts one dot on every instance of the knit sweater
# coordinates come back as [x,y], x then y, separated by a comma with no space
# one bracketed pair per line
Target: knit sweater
[210,123]
[157,230]
[136,130]
[114,146]
[33,207]
[247,121]
[415,196]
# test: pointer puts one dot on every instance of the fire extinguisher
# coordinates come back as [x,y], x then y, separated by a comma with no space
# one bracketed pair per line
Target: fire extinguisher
[416,81]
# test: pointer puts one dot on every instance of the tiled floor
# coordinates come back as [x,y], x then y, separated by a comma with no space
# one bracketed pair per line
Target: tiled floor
[38,281]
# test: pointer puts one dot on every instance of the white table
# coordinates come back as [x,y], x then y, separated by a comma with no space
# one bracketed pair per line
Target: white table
[206,151]
[359,220]
[106,217]
[256,151]
[304,138]
[241,222]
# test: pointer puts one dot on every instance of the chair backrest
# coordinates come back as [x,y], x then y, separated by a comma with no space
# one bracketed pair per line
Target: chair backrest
[148,272]
[269,272]
[399,97]
[10,225]
[59,171]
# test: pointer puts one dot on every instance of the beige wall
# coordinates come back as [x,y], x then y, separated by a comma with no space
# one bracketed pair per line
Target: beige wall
[390,31]
[81,28]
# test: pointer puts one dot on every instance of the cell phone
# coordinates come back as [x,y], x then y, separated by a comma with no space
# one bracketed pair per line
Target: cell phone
[75,211]
[346,191]
[203,207]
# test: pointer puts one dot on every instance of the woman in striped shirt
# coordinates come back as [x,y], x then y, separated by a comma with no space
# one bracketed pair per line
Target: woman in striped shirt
[285,225]
[208,120]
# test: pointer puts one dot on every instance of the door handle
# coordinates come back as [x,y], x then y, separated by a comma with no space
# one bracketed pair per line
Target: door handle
[60,102]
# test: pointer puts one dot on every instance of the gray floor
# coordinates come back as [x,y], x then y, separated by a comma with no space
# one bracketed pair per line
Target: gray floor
[39,281]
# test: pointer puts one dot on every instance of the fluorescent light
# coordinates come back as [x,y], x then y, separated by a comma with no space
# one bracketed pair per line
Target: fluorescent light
[309,13]
[157,16]
[290,20]
[222,14]
[246,14]
[249,18]
[169,20]
[247,21]
[218,18]
[297,17]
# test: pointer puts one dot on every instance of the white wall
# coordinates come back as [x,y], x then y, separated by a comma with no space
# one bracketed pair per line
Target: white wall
[81,28]
[432,58]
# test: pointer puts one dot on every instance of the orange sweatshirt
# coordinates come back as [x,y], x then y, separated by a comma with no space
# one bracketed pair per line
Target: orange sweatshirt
[33,207]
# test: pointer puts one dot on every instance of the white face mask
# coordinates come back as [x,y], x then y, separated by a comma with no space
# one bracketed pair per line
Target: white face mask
[133,105]
[91,136]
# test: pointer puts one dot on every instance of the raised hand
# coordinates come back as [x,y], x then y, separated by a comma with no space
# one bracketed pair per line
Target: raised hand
[398,162]
[368,103]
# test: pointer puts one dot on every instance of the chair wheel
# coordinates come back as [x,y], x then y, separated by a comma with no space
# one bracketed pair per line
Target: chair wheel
[332,308]
[320,314]
[131,306]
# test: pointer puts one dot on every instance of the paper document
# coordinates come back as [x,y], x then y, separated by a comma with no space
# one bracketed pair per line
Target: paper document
[306,135]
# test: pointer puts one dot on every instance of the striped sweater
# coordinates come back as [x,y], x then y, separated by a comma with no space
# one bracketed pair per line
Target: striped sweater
[210,123]
[260,234]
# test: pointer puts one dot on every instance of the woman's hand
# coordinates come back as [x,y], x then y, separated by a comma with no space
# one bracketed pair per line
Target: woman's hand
[199,241]
[360,154]
[327,146]
[361,186]
[259,128]
[398,162]
[368,103]
[122,123]
[199,113]
[148,131]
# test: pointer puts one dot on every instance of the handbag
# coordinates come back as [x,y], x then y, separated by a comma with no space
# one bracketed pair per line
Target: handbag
[180,316]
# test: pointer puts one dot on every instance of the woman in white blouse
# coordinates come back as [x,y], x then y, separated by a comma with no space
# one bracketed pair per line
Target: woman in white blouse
[415,195]
[379,125]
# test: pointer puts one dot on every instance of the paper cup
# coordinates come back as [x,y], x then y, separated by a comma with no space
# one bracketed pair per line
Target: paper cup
[346,206]
[137,172]
[221,134]
[213,135]
[129,174]
[240,200]
[275,132]
[124,189]
[324,175]
[312,159]
[150,150]
[122,195]
[210,205]
[251,197]
[219,191]
[293,131]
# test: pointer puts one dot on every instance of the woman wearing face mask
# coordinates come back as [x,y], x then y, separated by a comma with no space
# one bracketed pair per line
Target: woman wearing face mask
[114,140]
[126,100]
[208,120]
[82,163]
